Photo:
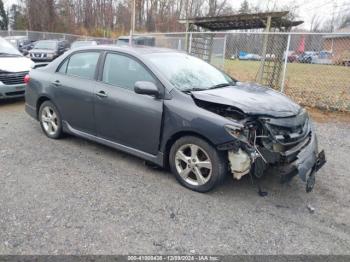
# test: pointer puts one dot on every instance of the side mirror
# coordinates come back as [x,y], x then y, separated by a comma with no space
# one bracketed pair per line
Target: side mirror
[146,88]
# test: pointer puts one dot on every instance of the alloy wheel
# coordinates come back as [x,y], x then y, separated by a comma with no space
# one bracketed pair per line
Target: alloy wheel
[193,164]
[49,120]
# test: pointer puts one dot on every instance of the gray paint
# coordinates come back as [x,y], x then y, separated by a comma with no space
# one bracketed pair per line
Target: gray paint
[143,125]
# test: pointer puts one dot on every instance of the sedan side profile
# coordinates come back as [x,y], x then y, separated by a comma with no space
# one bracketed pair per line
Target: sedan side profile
[174,110]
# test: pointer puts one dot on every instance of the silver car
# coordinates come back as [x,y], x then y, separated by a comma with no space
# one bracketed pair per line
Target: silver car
[13,69]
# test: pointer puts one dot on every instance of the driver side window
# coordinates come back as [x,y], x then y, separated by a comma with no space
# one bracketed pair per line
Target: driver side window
[124,72]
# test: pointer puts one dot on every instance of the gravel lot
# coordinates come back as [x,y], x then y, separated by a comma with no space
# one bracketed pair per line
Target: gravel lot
[76,197]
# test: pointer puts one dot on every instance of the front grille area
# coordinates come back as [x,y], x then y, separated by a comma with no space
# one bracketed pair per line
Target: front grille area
[39,55]
[12,78]
[16,93]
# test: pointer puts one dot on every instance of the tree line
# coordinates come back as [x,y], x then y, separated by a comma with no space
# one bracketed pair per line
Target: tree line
[110,18]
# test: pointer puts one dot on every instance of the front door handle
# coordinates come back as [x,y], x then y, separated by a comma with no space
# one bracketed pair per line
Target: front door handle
[57,83]
[102,94]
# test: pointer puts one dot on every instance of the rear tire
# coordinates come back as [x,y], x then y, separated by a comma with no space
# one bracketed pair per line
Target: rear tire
[50,120]
[196,164]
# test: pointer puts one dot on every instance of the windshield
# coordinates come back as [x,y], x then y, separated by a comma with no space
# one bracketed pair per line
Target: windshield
[7,49]
[188,73]
[122,42]
[83,43]
[45,45]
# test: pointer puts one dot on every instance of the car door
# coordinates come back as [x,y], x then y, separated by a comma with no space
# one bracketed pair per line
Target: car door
[121,115]
[74,89]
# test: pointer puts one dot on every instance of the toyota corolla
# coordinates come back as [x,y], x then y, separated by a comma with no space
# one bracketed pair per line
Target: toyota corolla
[172,109]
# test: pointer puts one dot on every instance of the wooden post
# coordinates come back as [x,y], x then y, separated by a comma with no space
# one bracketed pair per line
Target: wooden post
[285,64]
[264,50]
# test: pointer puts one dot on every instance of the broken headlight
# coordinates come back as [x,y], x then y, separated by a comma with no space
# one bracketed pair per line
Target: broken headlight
[237,131]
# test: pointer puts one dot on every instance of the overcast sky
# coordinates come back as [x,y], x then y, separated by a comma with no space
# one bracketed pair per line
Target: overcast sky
[307,8]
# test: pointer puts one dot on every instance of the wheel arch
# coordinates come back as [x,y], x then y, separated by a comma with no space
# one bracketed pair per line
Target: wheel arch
[40,101]
[176,136]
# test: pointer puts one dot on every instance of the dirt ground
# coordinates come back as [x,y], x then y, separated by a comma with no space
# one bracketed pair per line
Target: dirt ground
[72,196]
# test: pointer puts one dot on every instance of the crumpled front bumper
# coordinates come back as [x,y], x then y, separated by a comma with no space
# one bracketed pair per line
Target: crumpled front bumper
[309,161]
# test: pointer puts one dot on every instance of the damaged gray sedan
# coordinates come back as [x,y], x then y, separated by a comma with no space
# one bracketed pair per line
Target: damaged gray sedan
[175,110]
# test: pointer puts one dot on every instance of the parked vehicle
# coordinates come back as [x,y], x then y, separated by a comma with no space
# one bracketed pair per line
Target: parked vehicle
[307,57]
[83,43]
[137,40]
[13,68]
[292,57]
[22,43]
[187,114]
[249,56]
[48,50]
[323,57]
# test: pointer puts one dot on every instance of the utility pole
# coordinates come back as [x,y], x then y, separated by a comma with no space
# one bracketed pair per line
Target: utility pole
[187,26]
[332,25]
[333,18]
[133,21]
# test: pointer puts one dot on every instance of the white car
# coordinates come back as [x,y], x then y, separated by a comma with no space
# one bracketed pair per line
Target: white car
[13,69]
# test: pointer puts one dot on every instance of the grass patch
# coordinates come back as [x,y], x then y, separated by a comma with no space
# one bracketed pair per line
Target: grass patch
[321,86]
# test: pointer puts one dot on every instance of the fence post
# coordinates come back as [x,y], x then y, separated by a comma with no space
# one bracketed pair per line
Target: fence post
[224,52]
[190,44]
[285,64]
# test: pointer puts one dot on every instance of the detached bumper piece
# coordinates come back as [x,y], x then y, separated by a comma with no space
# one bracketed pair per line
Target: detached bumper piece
[311,180]
[308,162]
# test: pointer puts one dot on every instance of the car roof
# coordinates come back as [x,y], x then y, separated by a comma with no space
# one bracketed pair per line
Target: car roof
[135,37]
[16,37]
[139,50]
[51,40]
[83,40]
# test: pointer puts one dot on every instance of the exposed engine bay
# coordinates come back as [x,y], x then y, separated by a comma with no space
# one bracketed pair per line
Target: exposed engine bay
[263,142]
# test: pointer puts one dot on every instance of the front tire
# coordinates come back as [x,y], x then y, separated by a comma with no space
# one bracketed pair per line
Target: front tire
[50,120]
[196,164]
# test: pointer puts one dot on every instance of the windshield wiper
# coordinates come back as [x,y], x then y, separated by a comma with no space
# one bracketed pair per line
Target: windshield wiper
[213,87]
[222,85]
[194,89]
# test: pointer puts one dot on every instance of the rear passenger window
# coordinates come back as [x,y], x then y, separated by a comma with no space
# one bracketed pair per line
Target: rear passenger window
[123,71]
[83,64]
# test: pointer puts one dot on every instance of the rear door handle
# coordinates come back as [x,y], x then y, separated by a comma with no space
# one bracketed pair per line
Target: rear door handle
[57,83]
[102,94]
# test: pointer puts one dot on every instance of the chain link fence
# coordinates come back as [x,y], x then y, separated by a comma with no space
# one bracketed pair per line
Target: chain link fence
[35,36]
[311,68]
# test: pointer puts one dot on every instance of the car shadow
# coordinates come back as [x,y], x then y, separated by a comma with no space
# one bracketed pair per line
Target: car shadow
[11,101]
[230,188]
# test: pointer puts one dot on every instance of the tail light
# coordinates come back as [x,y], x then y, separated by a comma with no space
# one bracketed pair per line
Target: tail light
[26,79]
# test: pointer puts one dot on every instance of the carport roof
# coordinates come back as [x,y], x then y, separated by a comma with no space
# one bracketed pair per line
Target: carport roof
[242,21]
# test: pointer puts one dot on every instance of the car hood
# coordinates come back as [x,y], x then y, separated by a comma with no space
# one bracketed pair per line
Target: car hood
[50,51]
[251,99]
[15,64]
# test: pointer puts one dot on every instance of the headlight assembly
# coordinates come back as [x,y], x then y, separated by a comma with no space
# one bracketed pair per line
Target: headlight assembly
[237,131]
